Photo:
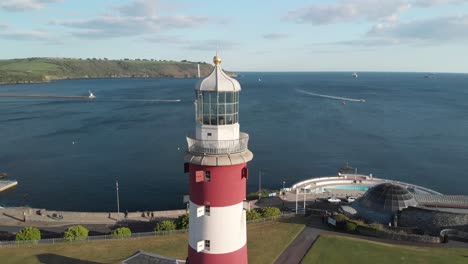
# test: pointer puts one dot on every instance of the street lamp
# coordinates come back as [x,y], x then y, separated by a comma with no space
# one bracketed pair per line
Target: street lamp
[117,192]
[296,200]
[305,188]
[259,184]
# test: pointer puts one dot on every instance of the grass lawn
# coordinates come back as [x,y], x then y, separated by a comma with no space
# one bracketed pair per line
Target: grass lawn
[337,250]
[265,242]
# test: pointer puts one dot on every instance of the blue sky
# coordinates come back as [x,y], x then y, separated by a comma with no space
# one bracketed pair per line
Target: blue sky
[341,35]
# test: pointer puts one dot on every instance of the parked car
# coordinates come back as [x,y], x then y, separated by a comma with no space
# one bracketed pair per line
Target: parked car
[333,200]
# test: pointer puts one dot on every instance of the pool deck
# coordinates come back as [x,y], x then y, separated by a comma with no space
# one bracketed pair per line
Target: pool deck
[315,188]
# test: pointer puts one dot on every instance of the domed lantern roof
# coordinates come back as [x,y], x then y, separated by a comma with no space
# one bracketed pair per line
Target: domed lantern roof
[218,81]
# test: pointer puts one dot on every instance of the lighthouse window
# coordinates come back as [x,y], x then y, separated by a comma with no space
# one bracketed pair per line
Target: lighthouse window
[207,244]
[217,108]
[207,210]
[207,176]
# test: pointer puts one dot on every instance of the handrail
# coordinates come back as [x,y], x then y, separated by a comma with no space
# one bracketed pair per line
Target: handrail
[216,147]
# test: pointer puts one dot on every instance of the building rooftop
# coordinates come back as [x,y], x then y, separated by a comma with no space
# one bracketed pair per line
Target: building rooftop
[388,198]
[142,257]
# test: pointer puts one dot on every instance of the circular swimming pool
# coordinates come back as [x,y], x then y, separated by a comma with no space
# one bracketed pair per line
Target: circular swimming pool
[348,187]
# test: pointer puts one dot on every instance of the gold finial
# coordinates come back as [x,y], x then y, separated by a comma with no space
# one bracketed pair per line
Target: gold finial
[217,60]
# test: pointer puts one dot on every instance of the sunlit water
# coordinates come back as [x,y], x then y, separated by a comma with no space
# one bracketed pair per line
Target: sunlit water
[67,154]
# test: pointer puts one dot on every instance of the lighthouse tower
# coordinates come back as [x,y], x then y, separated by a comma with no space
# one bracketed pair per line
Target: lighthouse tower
[216,162]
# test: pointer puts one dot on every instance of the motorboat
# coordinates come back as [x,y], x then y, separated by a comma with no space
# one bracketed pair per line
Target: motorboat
[355,75]
[91,95]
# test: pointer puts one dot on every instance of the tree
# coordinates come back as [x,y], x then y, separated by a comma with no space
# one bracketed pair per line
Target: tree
[122,232]
[28,234]
[76,232]
[182,221]
[253,214]
[270,211]
[166,225]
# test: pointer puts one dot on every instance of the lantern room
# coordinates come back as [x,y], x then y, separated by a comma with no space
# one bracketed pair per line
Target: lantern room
[217,106]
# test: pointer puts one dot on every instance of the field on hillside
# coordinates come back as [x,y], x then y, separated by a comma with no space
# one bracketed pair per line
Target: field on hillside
[344,250]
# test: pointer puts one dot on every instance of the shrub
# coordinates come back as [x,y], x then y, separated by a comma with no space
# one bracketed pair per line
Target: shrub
[340,218]
[76,232]
[351,226]
[376,226]
[253,214]
[270,212]
[122,232]
[28,234]
[182,222]
[166,225]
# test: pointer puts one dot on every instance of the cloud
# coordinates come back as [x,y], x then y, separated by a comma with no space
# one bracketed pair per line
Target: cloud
[147,7]
[184,43]
[275,36]
[164,39]
[137,18]
[23,5]
[429,3]
[360,10]
[450,29]
[366,42]
[212,45]
[119,26]
[347,11]
[435,30]
[29,35]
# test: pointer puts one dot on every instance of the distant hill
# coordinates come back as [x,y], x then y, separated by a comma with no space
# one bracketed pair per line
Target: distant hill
[32,70]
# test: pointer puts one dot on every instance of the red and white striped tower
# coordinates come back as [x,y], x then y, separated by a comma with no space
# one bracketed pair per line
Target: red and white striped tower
[216,161]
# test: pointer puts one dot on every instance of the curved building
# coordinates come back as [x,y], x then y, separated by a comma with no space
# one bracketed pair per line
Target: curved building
[383,201]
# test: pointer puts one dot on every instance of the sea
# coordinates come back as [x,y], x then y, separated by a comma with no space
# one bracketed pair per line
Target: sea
[68,154]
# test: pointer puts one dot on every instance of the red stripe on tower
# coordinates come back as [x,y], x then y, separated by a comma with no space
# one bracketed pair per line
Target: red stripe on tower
[217,159]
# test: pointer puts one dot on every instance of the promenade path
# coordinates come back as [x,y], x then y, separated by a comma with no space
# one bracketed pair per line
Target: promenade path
[21,216]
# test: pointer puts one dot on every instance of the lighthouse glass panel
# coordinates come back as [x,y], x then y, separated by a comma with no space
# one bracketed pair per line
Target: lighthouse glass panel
[217,108]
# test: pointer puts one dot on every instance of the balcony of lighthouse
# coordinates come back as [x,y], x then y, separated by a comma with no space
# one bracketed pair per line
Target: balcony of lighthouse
[218,147]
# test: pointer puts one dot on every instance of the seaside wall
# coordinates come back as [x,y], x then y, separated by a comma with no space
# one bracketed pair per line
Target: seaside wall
[433,221]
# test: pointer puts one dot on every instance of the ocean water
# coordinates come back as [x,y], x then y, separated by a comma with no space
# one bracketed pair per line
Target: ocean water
[410,128]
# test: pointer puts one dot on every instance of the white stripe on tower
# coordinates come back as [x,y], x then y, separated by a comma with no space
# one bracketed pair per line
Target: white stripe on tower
[224,227]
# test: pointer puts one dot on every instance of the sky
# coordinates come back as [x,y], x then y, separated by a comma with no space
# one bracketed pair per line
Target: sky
[294,35]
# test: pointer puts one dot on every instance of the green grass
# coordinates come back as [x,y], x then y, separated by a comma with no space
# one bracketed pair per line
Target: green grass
[29,66]
[343,250]
[265,242]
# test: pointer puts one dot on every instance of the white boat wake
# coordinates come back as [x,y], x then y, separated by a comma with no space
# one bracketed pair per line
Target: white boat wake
[147,100]
[332,97]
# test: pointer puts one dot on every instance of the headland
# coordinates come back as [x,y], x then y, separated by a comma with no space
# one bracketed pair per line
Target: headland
[37,70]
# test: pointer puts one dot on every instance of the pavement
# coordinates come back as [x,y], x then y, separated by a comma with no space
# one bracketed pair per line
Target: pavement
[13,219]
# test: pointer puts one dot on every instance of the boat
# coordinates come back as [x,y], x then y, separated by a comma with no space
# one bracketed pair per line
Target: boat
[355,75]
[91,95]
